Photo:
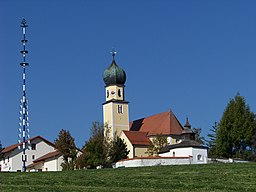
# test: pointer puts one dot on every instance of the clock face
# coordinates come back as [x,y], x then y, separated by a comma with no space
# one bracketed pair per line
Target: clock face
[113,92]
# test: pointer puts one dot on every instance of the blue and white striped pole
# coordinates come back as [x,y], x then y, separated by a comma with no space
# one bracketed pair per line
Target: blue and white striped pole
[23,130]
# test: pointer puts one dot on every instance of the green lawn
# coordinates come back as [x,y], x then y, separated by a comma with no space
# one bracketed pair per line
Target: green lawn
[211,177]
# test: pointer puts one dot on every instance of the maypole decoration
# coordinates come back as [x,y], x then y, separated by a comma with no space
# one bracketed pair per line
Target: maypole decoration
[24,124]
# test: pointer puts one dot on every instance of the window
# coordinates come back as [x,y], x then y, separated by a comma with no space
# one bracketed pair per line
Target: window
[8,159]
[107,93]
[33,156]
[119,93]
[120,109]
[33,146]
[199,157]
[173,153]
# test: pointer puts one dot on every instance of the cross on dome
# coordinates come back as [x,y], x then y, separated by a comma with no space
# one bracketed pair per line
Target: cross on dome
[113,53]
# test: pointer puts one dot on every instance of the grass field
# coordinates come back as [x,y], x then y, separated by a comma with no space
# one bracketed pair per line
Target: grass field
[211,177]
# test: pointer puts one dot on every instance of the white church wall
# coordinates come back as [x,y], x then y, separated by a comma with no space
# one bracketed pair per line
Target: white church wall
[143,162]
[199,155]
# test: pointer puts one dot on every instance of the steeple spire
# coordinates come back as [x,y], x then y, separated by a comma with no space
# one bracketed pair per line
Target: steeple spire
[24,124]
[187,125]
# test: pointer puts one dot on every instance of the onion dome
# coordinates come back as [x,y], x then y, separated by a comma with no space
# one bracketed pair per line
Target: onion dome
[114,75]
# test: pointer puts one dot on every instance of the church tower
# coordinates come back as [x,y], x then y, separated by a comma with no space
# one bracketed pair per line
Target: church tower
[115,109]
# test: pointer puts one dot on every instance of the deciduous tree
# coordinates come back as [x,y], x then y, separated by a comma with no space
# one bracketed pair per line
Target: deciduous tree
[1,147]
[157,143]
[65,144]
[100,150]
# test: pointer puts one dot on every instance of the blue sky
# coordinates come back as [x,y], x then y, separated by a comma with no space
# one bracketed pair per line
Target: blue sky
[190,56]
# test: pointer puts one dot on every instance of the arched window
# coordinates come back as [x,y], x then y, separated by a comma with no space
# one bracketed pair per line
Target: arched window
[173,153]
[199,157]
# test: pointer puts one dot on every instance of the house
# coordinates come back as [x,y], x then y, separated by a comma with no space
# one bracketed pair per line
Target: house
[40,156]
[49,162]
[12,155]
[139,134]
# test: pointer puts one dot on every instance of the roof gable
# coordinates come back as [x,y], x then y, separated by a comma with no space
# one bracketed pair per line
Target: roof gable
[14,146]
[164,123]
[137,138]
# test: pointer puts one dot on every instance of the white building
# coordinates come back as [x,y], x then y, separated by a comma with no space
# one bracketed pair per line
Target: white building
[190,148]
[41,157]
[49,162]
[187,147]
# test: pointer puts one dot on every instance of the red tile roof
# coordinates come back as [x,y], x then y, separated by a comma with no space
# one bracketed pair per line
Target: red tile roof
[14,146]
[164,123]
[10,148]
[47,156]
[34,164]
[137,138]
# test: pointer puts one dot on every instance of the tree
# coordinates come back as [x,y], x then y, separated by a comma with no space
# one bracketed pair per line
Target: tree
[1,147]
[118,150]
[65,144]
[100,150]
[198,138]
[94,149]
[157,143]
[212,142]
[236,129]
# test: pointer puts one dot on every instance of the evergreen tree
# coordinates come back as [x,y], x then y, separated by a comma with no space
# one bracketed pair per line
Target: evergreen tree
[252,156]
[65,144]
[236,129]
[118,150]
[212,142]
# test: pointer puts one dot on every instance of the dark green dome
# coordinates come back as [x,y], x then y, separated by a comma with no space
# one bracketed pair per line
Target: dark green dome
[114,75]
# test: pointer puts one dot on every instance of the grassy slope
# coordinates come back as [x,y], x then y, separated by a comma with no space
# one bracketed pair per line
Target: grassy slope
[211,177]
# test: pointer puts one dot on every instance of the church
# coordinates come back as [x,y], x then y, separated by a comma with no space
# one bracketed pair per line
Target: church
[138,134]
